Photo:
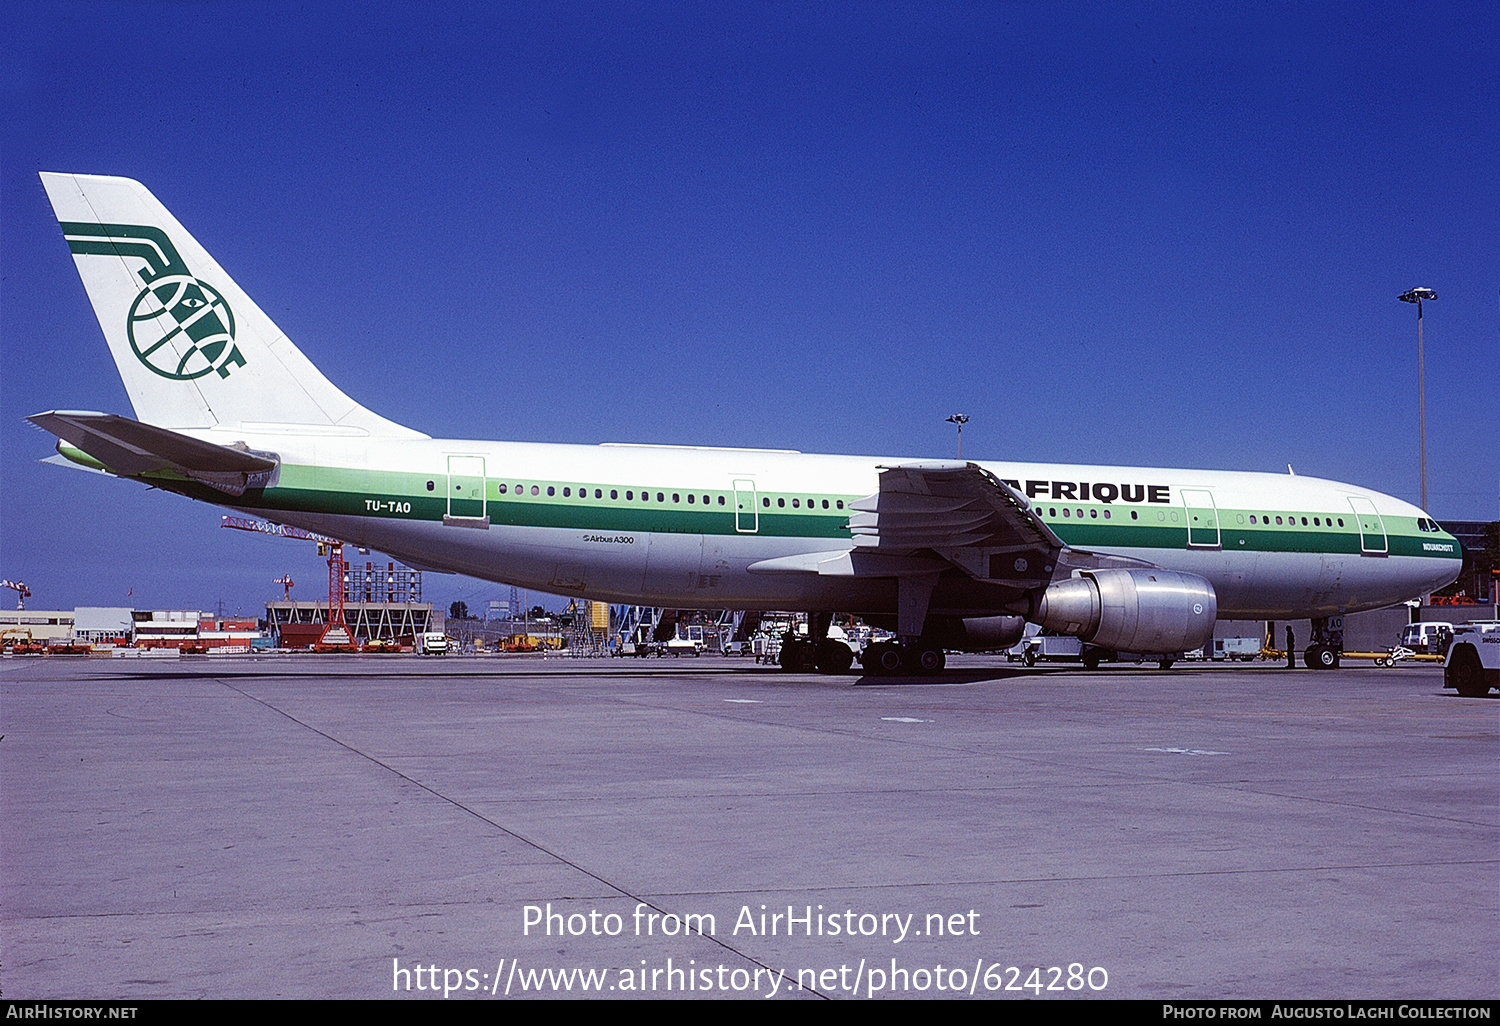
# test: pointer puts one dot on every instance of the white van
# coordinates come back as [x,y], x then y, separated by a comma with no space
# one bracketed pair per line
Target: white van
[1428,636]
[433,643]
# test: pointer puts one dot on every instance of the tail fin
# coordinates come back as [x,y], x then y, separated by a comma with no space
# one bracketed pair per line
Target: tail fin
[193,349]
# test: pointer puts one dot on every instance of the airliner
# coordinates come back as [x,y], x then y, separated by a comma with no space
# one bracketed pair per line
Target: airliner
[947,554]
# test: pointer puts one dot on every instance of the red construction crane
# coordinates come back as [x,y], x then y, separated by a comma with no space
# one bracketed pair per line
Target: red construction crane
[280,530]
[336,636]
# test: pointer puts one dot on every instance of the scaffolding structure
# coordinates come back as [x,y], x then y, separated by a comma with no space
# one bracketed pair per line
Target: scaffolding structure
[365,621]
[724,630]
[373,584]
[588,635]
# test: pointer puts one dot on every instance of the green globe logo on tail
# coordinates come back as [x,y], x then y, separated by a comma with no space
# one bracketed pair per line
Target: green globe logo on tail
[178,326]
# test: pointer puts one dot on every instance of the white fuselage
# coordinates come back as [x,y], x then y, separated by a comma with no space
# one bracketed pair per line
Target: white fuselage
[596,542]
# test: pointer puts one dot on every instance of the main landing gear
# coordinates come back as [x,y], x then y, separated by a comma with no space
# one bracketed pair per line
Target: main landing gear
[915,652]
[888,658]
[800,655]
[817,652]
[883,658]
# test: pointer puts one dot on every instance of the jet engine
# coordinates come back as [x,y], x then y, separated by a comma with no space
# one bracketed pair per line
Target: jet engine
[975,633]
[1148,611]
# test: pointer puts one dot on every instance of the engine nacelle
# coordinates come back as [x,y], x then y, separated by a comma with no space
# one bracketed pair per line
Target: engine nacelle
[975,633]
[1148,611]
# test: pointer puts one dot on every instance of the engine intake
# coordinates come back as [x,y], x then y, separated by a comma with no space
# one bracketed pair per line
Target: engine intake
[1147,611]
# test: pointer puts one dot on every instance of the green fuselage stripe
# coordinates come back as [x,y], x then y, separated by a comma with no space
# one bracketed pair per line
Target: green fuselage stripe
[390,495]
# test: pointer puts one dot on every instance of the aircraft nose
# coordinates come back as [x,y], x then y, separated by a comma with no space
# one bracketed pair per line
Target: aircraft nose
[1441,568]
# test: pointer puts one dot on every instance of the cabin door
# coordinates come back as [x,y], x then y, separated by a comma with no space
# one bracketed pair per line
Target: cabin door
[466,483]
[1202,518]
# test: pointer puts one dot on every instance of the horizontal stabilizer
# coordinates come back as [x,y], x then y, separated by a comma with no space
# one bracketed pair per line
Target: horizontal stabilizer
[130,448]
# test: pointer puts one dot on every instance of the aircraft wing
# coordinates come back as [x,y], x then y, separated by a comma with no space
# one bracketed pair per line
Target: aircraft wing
[960,513]
[933,515]
[130,448]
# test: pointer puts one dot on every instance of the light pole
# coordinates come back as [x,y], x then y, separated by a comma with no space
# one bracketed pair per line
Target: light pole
[1416,296]
[960,419]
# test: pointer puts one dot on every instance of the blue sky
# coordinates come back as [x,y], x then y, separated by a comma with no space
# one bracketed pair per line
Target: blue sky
[1159,234]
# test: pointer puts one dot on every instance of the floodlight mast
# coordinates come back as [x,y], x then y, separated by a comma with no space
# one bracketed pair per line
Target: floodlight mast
[960,419]
[1417,296]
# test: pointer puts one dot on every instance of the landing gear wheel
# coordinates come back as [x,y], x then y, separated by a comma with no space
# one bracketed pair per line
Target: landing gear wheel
[1091,658]
[922,658]
[1165,663]
[834,656]
[1320,657]
[883,657]
[1028,658]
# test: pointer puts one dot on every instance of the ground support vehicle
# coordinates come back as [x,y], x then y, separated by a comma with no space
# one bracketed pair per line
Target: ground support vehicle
[1236,649]
[765,648]
[1429,636]
[1051,648]
[687,641]
[1472,664]
[1063,648]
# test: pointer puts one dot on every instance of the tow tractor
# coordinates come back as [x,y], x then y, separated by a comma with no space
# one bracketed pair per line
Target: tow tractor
[1472,664]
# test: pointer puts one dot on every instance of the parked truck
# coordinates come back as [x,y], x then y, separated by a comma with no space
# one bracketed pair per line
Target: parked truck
[1231,649]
